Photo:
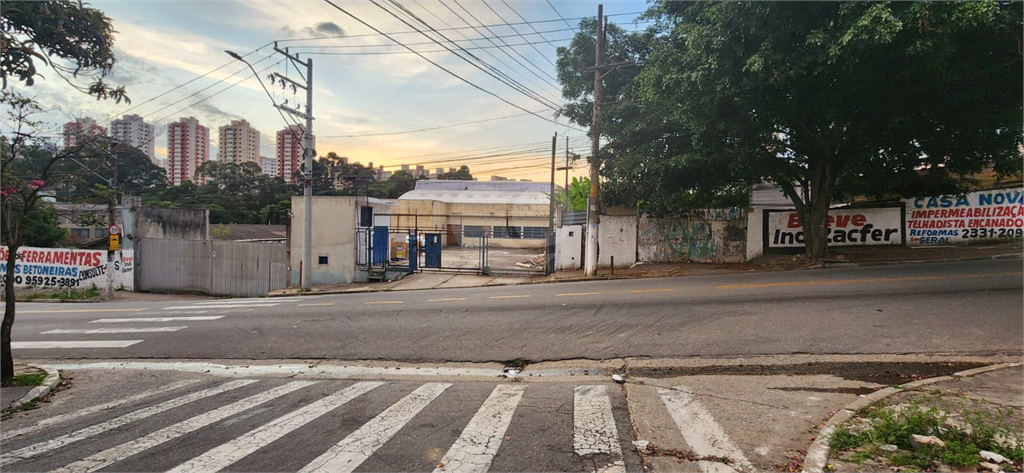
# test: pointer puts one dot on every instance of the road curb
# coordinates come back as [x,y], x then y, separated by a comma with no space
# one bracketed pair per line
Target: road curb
[817,453]
[51,381]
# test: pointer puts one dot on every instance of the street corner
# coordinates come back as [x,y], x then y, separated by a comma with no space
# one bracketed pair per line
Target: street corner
[733,422]
[31,383]
[966,421]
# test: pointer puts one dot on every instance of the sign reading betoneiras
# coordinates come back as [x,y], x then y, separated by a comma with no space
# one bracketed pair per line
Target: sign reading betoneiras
[846,227]
[62,268]
[963,219]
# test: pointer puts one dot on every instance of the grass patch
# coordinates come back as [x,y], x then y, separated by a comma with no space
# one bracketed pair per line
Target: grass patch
[72,294]
[28,379]
[894,427]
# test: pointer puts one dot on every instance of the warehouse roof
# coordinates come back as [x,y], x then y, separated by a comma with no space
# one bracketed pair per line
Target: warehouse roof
[480,192]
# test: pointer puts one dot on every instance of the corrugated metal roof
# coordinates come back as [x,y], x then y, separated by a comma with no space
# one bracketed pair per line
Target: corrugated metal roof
[478,196]
[503,186]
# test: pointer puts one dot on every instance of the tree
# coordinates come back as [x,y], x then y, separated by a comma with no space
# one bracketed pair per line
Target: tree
[26,170]
[462,174]
[824,99]
[70,37]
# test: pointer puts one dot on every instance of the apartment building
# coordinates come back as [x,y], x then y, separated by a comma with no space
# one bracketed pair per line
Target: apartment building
[187,149]
[78,129]
[239,143]
[132,129]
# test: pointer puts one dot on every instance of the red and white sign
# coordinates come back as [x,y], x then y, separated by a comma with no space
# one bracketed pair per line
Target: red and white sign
[114,230]
[846,227]
[963,219]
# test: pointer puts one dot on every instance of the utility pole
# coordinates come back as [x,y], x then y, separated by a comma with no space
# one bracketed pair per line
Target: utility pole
[566,201]
[307,184]
[600,70]
[111,215]
[551,196]
[590,262]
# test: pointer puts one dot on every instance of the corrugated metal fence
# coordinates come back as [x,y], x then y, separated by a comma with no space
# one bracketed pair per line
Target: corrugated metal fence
[222,268]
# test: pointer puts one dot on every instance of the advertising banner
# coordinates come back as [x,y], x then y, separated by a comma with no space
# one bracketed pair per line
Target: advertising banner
[60,268]
[846,227]
[967,218]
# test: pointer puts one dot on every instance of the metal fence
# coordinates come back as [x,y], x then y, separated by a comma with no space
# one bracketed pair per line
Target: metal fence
[222,268]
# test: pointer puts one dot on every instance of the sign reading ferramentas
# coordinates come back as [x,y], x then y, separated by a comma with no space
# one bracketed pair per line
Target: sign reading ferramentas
[846,227]
[967,218]
[63,268]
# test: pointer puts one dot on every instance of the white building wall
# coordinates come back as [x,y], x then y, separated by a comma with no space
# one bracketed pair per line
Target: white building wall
[616,238]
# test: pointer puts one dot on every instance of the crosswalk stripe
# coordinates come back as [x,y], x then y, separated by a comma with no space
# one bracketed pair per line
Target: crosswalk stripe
[704,436]
[228,453]
[474,450]
[123,451]
[97,408]
[53,444]
[157,319]
[353,450]
[594,431]
[75,344]
[219,306]
[115,330]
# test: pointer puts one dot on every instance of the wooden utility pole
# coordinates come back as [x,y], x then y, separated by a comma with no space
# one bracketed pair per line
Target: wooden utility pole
[551,196]
[590,263]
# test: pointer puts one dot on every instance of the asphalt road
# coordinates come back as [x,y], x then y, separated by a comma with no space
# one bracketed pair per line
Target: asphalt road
[969,308]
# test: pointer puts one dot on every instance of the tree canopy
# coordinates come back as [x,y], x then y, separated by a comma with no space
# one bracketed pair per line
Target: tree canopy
[70,37]
[462,174]
[822,98]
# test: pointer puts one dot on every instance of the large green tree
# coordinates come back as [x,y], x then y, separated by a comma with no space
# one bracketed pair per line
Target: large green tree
[827,98]
[72,38]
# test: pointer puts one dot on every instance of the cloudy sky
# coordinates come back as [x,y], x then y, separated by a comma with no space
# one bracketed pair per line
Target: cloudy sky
[371,95]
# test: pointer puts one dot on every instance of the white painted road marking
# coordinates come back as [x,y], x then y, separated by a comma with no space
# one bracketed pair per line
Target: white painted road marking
[353,450]
[450,299]
[474,450]
[75,344]
[704,436]
[220,306]
[511,297]
[228,453]
[116,330]
[73,311]
[123,451]
[53,444]
[156,319]
[594,431]
[578,294]
[90,410]
[247,301]
[384,302]
[315,305]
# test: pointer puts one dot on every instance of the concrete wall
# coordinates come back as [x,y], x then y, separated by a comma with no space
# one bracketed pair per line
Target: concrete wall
[755,230]
[180,224]
[616,237]
[704,236]
[569,247]
[334,223]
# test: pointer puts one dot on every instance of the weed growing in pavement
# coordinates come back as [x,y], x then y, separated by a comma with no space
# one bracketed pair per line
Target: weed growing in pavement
[29,379]
[858,443]
[68,294]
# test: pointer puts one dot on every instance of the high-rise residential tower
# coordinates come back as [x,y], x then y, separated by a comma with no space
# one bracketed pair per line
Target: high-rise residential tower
[78,129]
[290,152]
[187,149]
[239,143]
[133,130]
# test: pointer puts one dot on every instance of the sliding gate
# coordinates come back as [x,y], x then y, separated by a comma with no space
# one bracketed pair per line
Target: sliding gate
[508,245]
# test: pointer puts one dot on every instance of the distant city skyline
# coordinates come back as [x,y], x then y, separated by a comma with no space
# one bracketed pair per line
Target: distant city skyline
[373,100]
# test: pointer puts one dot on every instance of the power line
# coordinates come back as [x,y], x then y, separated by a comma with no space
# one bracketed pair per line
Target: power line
[384,53]
[486,68]
[445,69]
[396,33]
[563,19]
[488,52]
[532,28]
[506,44]
[427,129]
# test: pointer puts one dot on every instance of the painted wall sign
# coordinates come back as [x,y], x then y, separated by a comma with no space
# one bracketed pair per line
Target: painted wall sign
[63,268]
[846,227]
[962,219]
